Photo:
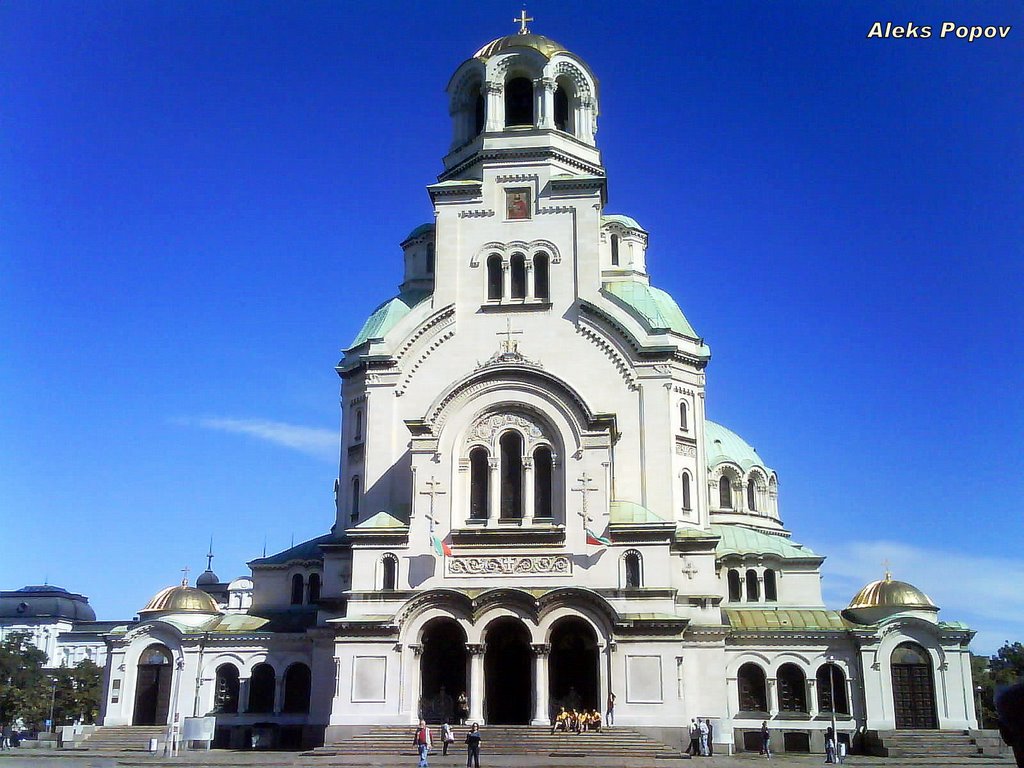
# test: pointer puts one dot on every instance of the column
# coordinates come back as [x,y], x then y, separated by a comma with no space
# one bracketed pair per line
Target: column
[494,104]
[541,714]
[279,693]
[243,694]
[530,292]
[773,697]
[812,697]
[494,489]
[544,101]
[476,682]
[528,488]
[760,586]
[506,277]
[412,692]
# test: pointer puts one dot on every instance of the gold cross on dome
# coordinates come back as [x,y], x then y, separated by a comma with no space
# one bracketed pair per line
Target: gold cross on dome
[521,21]
[888,573]
[184,578]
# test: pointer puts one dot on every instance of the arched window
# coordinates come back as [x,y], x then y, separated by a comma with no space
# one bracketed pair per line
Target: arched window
[634,569]
[753,589]
[751,495]
[430,259]
[518,102]
[753,688]
[517,265]
[511,475]
[478,114]
[724,493]
[261,688]
[792,689]
[389,572]
[683,416]
[314,588]
[225,692]
[686,491]
[542,482]
[494,278]
[541,288]
[298,587]
[355,499]
[831,682]
[296,689]
[735,586]
[615,250]
[561,109]
[479,476]
[357,431]
[771,591]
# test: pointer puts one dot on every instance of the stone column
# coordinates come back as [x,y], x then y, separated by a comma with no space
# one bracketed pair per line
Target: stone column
[412,677]
[494,102]
[494,488]
[773,696]
[476,682]
[541,713]
[506,276]
[544,101]
[760,587]
[530,291]
[243,694]
[528,500]
[279,694]
[812,697]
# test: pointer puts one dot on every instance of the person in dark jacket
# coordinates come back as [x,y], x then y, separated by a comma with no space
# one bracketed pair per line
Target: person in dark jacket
[1010,707]
[766,740]
[473,747]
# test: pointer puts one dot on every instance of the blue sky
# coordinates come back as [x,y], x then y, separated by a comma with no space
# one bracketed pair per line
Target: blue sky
[201,201]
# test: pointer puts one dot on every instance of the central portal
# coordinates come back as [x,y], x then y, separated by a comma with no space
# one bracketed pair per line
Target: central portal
[153,687]
[442,670]
[573,670]
[508,673]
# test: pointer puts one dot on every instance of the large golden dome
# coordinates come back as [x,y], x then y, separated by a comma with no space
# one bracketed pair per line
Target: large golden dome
[544,45]
[888,593]
[180,599]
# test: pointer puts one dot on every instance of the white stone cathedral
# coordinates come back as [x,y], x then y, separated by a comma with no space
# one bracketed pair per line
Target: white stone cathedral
[533,508]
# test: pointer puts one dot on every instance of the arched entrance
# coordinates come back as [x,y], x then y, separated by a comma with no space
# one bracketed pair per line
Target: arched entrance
[442,670]
[573,672]
[153,686]
[508,673]
[913,688]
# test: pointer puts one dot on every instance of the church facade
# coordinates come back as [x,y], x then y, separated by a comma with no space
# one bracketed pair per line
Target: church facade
[533,508]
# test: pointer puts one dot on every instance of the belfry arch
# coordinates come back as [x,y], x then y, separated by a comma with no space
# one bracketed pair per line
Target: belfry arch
[443,669]
[573,666]
[508,672]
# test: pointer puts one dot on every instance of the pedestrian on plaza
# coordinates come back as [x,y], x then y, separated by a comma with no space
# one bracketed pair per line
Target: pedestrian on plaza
[422,743]
[462,704]
[711,737]
[609,715]
[473,747]
[703,726]
[693,749]
[447,737]
[830,745]
[766,740]
[1010,708]
[7,737]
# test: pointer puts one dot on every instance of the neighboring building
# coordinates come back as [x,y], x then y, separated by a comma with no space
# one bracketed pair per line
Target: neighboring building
[62,624]
[532,505]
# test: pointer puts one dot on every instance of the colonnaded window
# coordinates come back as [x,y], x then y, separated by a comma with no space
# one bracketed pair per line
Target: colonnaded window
[753,688]
[355,499]
[686,491]
[615,250]
[792,688]
[683,416]
[724,492]
[511,475]
[314,588]
[297,681]
[542,465]
[735,586]
[561,109]
[389,571]
[261,688]
[298,587]
[751,495]
[753,588]
[541,285]
[479,482]
[633,566]
[478,114]
[831,685]
[494,278]
[771,591]
[518,102]
[517,266]
[226,686]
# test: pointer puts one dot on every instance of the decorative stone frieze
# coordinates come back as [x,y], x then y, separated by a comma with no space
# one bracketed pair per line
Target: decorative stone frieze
[510,565]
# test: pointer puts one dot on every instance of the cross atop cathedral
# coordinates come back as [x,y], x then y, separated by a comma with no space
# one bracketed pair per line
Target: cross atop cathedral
[509,346]
[521,21]
[209,555]
[184,577]
[888,572]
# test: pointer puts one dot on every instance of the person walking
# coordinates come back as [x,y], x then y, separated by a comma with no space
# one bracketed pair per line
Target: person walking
[462,704]
[693,749]
[447,737]
[711,737]
[609,715]
[830,745]
[766,740]
[703,726]
[473,747]
[422,742]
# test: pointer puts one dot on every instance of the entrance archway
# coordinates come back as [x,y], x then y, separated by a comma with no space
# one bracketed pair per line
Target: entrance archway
[442,670]
[913,688]
[508,674]
[153,686]
[573,672]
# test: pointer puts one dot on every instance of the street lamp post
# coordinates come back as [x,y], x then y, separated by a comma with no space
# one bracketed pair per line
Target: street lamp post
[832,701]
[53,699]
[978,713]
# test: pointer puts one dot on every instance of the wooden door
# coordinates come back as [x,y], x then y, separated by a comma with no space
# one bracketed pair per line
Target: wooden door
[913,696]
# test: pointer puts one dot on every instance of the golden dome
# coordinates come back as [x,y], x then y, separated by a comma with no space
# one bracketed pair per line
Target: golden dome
[180,599]
[544,45]
[887,593]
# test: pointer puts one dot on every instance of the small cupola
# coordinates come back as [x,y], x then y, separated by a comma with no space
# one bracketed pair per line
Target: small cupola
[623,248]
[418,247]
[886,597]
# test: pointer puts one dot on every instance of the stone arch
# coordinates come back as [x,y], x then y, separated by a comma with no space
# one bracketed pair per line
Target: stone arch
[428,605]
[752,687]
[631,570]
[297,688]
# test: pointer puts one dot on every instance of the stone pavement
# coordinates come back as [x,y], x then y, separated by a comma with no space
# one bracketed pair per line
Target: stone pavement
[217,758]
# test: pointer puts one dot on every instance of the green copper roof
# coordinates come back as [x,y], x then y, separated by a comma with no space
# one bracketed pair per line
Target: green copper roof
[422,229]
[307,550]
[626,221]
[738,540]
[383,520]
[631,512]
[651,305]
[725,445]
[775,619]
[386,316]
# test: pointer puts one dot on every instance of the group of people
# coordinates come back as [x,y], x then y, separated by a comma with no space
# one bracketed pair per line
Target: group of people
[576,721]
[701,738]
[423,741]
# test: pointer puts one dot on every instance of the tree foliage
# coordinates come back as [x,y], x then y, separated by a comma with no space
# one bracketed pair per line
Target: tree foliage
[992,673]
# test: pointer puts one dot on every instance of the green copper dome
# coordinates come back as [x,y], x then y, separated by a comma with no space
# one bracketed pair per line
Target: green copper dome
[724,445]
[626,221]
[387,316]
[655,308]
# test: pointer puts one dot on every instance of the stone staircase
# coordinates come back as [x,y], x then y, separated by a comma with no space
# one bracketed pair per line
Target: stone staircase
[507,740]
[953,744]
[123,738]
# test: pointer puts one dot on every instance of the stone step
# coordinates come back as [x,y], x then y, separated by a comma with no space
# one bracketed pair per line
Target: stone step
[123,737]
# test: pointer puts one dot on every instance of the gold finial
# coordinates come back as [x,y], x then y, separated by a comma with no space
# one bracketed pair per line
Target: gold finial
[521,21]
[888,573]
[184,578]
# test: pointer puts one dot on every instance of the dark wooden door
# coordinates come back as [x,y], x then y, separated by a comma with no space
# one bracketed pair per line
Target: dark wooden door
[913,695]
[152,695]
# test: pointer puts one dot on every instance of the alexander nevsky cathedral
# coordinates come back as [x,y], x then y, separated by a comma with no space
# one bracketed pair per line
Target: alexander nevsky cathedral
[533,507]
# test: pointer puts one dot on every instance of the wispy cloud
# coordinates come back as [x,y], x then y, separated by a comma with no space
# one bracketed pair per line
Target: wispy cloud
[313,441]
[982,590]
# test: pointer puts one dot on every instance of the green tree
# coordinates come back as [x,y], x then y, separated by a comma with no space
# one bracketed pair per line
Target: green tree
[991,673]
[88,678]
[24,685]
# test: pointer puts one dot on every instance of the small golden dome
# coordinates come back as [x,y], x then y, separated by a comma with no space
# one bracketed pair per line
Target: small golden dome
[544,45]
[180,599]
[887,593]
